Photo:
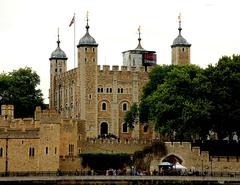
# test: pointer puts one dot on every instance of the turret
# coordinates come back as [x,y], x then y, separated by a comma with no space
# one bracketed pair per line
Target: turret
[58,65]
[180,48]
[139,57]
[87,81]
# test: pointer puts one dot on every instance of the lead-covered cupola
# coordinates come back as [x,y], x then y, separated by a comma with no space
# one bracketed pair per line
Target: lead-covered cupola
[87,39]
[180,48]
[58,53]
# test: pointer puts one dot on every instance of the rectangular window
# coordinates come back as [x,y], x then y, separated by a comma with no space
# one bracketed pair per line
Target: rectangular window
[71,149]
[55,150]
[31,152]
[46,150]
[1,152]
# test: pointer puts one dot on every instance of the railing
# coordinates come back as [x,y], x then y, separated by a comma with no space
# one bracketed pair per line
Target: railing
[114,173]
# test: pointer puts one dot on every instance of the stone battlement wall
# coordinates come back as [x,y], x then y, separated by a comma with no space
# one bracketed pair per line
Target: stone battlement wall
[27,133]
[116,68]
[68,74]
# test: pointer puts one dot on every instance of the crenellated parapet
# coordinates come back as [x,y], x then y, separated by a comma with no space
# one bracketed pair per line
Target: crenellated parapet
[68,74]
[116,68]
[47,116]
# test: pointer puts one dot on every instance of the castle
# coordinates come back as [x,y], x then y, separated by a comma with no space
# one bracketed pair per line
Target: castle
[101,97]
[87,103]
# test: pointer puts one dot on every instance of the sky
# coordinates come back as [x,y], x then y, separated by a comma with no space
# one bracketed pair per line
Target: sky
[28,30]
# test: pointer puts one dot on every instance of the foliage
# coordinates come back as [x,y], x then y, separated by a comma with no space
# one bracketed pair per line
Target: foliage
[143,158]
[20,89]
[101,162]
[131,116]
[183,101]
[225,90]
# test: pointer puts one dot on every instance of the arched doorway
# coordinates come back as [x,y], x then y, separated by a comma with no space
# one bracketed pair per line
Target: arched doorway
[104,129]
[173,159]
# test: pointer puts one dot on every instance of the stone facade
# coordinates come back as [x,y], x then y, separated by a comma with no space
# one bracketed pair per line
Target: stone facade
[95,94]
[87,102]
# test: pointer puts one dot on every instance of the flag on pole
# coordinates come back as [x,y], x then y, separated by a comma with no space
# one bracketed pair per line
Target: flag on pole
[72,21]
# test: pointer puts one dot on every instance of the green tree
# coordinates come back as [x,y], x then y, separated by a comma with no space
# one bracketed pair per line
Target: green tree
[224,78]
[131,116]
[20,89]
[179,107]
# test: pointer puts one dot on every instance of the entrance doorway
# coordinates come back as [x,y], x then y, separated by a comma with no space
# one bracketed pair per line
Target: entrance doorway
[104,129]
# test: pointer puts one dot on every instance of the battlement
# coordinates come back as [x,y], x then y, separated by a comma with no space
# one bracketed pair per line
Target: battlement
[68,74]
[47,116]
[17,133]
[115,68]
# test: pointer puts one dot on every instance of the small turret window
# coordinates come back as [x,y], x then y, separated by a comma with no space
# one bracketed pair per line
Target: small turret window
[183,49]
[93,49]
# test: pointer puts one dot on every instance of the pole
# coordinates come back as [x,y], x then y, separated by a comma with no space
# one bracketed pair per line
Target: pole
[74,41]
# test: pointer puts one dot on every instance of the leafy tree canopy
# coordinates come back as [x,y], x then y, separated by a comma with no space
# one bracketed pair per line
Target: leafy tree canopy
[185,100]
[19,88]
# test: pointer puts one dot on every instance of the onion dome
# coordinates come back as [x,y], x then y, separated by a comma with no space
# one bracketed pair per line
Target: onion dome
[58,53]
[180,41]
[87,39]
[139,47]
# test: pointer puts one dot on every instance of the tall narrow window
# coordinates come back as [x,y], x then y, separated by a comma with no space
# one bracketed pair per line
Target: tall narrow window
[124,128]
[1,152]
[55,150]
[46,150]
[31,152]
[104,106]
[124,107]
[70,149]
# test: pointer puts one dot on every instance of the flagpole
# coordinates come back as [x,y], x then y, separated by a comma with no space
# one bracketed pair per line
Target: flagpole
[74,42]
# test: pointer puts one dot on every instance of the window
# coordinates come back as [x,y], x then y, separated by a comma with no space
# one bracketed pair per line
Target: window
[110,90]
[93,49]
[85,49]
[104,106]
[124,107]
[46,150]
[1,152]
[107,90]
[31,152]
[70,149]
[55,150]
[145,128]
[121,90]
[124,127]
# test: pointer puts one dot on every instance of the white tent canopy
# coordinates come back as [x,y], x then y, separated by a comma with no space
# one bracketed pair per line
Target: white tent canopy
[178,166]
[164,164]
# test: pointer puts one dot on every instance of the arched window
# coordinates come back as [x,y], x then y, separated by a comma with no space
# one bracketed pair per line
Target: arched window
[124,127]
[145,128]
[104,106]
[124,106]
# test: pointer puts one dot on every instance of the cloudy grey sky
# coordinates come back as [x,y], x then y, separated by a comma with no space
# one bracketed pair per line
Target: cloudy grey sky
[28,30]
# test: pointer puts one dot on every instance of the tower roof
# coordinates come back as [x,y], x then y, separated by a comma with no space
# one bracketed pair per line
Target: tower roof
[180,41]
[58,53]
[87,39]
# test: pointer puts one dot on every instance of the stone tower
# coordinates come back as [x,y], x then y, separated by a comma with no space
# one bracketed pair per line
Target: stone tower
[87,81]
[180,48]
[139,57]
[58,65]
